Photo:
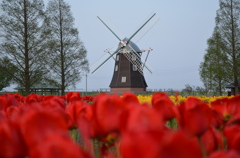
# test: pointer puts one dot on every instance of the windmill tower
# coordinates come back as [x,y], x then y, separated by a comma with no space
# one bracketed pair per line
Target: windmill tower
[128,69]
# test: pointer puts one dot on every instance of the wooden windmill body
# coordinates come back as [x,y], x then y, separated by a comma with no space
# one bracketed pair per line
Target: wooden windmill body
[126,77]
[128,69]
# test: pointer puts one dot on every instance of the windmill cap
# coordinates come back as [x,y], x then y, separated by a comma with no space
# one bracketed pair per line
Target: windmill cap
[132,44]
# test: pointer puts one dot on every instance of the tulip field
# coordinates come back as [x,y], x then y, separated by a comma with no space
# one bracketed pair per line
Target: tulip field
[178,99]
[112,126]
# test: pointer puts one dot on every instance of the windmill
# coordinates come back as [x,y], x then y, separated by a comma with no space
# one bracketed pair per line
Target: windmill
[128,73]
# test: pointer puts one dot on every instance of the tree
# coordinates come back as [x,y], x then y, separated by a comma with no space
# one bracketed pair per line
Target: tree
[228,21]
[188,89]
[22,44]
[170,91]
[201,90]
[213,70]
[67,54]
[5,77]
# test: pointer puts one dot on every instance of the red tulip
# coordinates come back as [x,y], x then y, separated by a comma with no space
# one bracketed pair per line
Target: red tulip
[85,121]
[37,124]
[225,154]
[73,109]
[87,99]
[85,124]
[227,107]
[72,96]
[7,100]
[220,105]
[234,120]
[106,111]
[140,144]
[163,104]
[52,102]
[232,134]
[145,144]
[212,140]
[195,117]
[129,98]
[57,146]
[140,118]
[11,142]
[141,127]
[178,145]
[33,98]
[13,113]
[19,97]
[217,120]
[233,105]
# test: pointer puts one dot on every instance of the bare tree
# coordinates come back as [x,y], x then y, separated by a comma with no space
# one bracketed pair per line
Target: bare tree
[67,54]
[22,40]
[189,89]
[201,90]
[228,20]
[5,77]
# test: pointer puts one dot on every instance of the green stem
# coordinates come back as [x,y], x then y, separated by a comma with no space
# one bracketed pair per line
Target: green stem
[225,144]
[74,134]
[173,124]
[96,148]
[203,149]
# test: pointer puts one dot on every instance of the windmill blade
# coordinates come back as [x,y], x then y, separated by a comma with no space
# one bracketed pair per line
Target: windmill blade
[140,28]
[134,53]
[98,61]
[147,30]
[106,59]
[109,28]
[133,59]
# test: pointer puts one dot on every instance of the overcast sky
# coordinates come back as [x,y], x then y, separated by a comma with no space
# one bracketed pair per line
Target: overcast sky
[178,39]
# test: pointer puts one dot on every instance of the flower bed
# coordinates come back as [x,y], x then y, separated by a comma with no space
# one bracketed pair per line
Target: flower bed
[178,99]
[111,126]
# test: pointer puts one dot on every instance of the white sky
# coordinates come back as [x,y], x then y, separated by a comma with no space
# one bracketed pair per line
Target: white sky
[178,39]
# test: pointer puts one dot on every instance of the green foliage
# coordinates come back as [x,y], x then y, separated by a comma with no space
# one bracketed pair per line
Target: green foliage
[188,89]
[23,40]
[172,124]
[228,21]
[213,70]
[67,54]
[5,77]
[221,64]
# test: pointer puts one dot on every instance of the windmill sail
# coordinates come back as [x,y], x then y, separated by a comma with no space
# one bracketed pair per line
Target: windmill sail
[124,45]
[133,54]
[106,60]
[141,27]
[109,28]
[128,70]
[136,54]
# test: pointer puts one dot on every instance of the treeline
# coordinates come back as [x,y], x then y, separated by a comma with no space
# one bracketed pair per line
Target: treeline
[188,90]
[221,64]
[39,45]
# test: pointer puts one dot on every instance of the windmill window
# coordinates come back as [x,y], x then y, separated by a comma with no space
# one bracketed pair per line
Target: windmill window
[134,67]
[124,79]
[117,58]
[116,68]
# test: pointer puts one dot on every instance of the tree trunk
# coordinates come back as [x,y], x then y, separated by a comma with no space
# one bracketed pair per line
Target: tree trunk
[62,53]
[220,87]
[235,62]
[27,77]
